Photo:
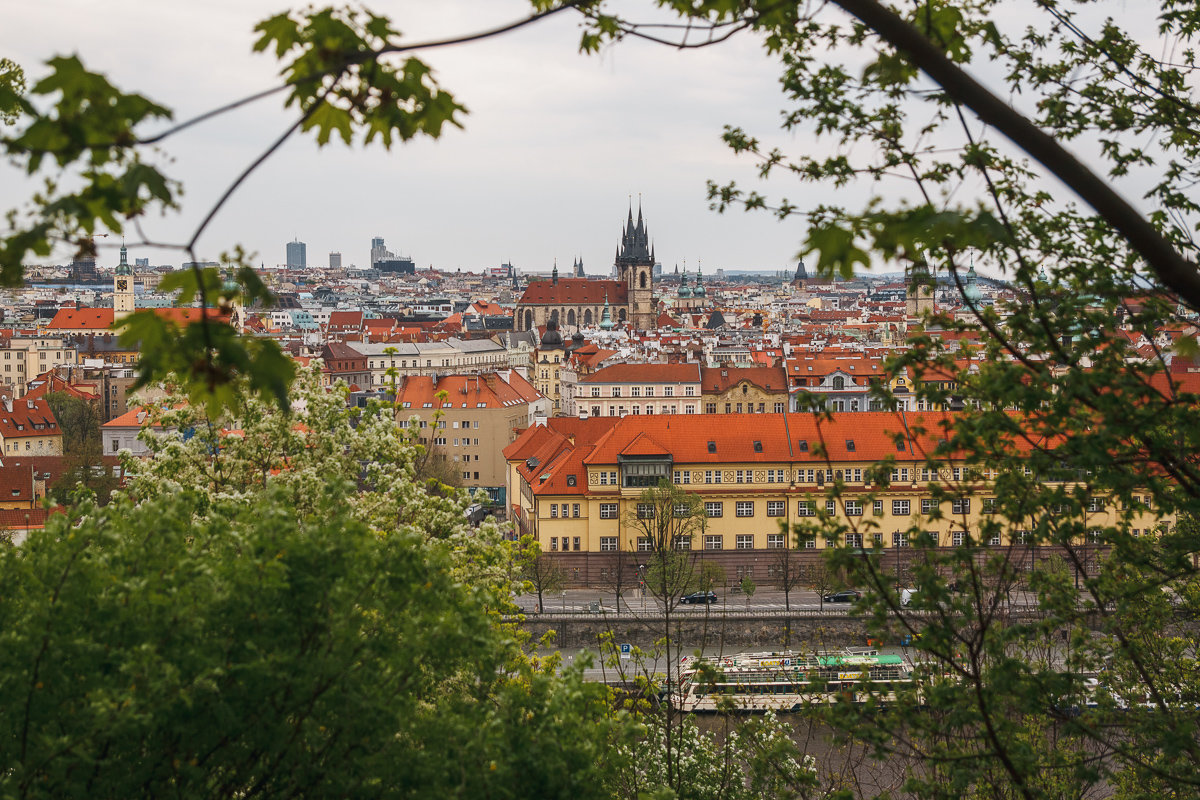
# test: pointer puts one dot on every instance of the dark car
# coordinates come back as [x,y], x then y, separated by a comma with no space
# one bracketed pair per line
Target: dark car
[699,597]
[846,596]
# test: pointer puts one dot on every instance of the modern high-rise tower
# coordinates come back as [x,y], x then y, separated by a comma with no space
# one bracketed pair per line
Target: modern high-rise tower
[335,260]
[296,255]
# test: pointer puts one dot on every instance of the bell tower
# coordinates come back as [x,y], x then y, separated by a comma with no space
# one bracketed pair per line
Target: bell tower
[635,268]
[123,304]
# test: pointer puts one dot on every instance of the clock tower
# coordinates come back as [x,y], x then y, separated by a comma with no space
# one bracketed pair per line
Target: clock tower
[123,288]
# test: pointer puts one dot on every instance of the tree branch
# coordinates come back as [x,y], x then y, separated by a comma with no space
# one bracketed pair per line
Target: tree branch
[1175,271]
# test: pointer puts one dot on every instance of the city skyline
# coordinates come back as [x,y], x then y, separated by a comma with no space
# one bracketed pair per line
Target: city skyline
[546,168]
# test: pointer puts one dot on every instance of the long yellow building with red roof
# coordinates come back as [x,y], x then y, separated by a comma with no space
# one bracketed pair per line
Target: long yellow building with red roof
[574,484]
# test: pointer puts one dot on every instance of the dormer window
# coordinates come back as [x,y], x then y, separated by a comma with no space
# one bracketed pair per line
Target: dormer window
[712,447]
[804,445]
[850,445]
[757,446]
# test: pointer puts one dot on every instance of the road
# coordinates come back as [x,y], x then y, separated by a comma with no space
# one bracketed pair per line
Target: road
[581,600]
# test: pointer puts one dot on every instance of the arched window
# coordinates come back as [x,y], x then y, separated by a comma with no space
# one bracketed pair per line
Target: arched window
[528,320]
[554,316]
[587,317]
[839,383]
[642,280]
[571,318]
[621,316]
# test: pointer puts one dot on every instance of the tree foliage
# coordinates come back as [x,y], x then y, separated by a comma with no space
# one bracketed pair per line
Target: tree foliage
[79,420]
[1068,401]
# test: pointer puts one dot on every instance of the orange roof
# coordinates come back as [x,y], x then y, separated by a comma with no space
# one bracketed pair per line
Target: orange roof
[27,417]
[82,319]
[862,436]
[465,391]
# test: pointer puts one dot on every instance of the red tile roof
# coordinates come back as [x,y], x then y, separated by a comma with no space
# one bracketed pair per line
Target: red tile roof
[645,373]
[574,291]
[81,319]
[720,379]
[21,420]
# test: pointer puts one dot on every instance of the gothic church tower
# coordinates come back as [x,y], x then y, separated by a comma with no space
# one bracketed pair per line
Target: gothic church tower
[635,268]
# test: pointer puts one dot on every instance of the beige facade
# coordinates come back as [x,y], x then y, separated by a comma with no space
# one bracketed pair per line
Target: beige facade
[26,357]
[470,419]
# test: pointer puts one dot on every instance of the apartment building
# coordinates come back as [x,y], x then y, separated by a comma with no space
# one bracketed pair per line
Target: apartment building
[471,419]
[638,389]
[26,357]
[28,427]
[451,357]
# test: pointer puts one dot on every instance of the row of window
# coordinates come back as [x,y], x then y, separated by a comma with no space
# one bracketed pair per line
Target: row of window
[638,391]
[777,541]
[808,508]
[564,508]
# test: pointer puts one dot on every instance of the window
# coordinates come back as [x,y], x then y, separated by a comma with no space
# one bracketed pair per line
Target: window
[574,507]
[995,540]
[806,508]
[962,505]
[713,509]
[958,538]
[775,541]
[729,408]
[901,508]
[689,391]
[710,408]
[608,544]
[682,476]
[649,391]
[742,476]
[553,510]
[712,476]
[608,511]
[928,506]
[779,408]
[713,541]
[744,508]
[776,508]
[643,544]
[854,540]
[616,391]
[645,511]
[1095,504]
[899,539]
[595,391]
[810,543]
[668,391]
[854,508]
[554,543]
[635,391]
[989,505]
[576,542]
[683,543]
[681,510]
[1095,536]
[877,508]
[745,541]
[830,507]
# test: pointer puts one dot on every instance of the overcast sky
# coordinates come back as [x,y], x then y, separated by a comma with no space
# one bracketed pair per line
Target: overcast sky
[554,146]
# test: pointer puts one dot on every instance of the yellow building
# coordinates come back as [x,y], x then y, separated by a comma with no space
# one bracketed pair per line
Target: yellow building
[750,390]
[575,487]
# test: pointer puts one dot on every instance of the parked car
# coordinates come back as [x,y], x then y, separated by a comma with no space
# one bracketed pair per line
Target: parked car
[699,597]
[845,596]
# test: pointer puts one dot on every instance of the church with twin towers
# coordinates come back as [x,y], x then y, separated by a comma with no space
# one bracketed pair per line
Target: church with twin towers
[580,302]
